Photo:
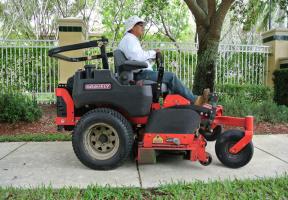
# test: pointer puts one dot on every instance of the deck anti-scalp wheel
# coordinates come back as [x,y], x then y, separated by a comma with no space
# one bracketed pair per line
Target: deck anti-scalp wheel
[102,139]
[225,141]
[209,160]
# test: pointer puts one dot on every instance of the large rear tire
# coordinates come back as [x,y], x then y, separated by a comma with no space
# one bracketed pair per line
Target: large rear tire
[225,141]
[102,139]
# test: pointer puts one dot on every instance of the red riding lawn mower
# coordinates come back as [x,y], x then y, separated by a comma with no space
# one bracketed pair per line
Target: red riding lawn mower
[111,114]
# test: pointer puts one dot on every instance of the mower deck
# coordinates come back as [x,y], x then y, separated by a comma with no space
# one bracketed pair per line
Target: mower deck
[195,146]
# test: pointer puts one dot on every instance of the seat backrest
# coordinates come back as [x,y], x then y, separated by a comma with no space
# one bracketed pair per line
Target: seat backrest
[119,59]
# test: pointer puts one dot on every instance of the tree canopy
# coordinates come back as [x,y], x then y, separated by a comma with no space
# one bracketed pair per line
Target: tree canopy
[168,20]
[255,14]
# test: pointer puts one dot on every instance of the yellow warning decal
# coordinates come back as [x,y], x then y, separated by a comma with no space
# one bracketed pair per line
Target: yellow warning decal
[157,139]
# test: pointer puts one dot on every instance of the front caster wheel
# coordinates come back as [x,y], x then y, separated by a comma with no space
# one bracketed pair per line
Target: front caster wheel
[208,161]
[225,142]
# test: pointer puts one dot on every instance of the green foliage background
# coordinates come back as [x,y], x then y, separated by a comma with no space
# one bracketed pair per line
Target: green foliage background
[281,86]
[16,106]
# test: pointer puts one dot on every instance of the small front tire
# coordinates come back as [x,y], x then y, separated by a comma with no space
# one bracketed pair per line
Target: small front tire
[225,141]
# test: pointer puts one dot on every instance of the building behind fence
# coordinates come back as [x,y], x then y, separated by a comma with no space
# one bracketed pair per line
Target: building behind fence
[25,64]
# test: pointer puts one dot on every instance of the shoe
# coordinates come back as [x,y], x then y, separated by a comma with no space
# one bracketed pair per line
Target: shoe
[204,98]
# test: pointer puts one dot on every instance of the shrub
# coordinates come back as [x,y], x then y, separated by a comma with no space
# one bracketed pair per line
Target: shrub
[16,106]
[281,86]
[264,111]
[243,100]
[249,92]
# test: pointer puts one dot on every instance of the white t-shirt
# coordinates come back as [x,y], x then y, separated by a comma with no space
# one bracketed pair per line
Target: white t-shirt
[131,47]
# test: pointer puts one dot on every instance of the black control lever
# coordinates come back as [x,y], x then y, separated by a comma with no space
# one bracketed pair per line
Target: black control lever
[160,68]
[213,99]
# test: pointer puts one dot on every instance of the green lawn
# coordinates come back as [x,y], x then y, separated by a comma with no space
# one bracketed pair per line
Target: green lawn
[40,137]
[239,189]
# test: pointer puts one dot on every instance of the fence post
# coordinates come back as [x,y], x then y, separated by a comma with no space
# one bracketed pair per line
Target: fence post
[277,40]
[71,31]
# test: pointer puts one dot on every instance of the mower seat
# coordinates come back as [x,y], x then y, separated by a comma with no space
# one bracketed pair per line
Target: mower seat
[125,70]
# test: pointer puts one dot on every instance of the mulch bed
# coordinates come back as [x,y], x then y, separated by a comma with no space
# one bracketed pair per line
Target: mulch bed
[46,125]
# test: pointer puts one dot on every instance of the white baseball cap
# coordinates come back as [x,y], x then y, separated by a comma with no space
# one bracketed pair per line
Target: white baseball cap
[131,21]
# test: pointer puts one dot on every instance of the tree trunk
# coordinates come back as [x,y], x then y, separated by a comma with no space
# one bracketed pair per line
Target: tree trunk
[209,19]
[207,56]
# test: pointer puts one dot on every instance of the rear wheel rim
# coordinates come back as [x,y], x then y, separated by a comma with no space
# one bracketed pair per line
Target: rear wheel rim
[101,141]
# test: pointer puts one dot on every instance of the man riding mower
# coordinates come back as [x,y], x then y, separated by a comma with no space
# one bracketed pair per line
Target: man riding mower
[130,46]
[111,114]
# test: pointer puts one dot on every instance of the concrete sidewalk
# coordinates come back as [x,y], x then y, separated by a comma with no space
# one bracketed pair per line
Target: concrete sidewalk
[35,164]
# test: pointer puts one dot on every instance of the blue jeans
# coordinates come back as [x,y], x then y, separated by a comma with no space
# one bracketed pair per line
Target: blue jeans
[173,83]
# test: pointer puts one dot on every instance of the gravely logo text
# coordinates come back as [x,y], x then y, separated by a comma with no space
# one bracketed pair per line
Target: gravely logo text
[99,86]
